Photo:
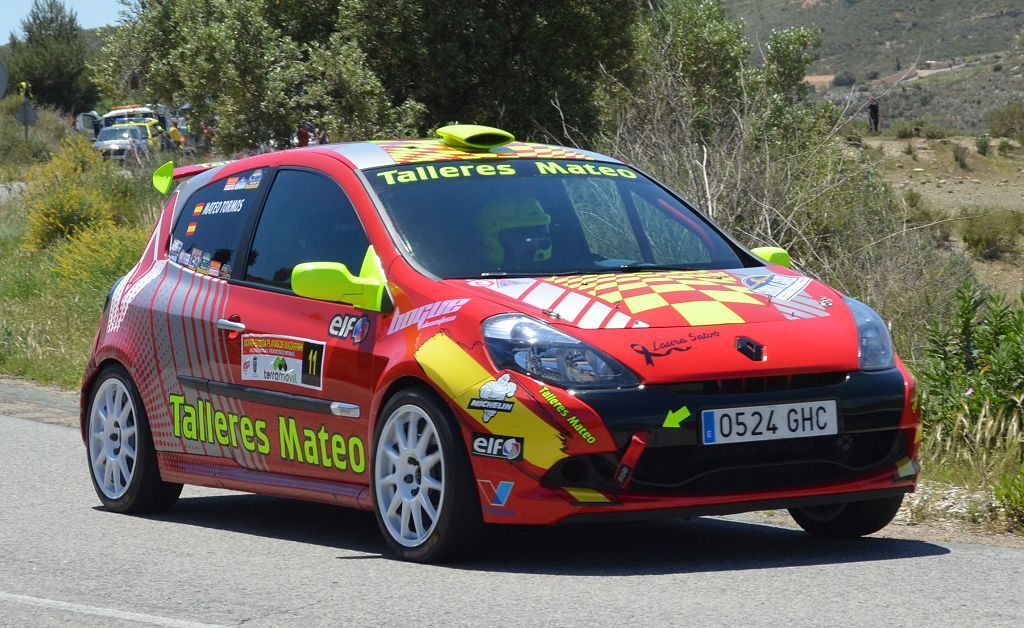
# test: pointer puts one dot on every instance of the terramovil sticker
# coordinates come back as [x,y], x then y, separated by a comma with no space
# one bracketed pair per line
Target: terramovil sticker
[426,315]
[283,359]
[493,397]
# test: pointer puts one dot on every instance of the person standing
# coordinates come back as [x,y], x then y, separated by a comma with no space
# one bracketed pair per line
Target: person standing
[873,116]
[304,134]
[176,137]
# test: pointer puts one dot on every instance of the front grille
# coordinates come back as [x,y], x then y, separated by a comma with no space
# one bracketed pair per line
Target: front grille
[742,467]
[759,384]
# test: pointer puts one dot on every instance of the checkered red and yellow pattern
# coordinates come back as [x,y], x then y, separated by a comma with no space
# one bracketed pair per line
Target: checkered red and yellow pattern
[699,297]
[423,151]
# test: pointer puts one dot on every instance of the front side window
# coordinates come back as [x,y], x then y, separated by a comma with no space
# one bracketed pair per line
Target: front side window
[536,217]
[209,228]
[306,218]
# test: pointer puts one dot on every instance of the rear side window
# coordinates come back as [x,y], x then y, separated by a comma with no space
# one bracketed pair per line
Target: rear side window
[210,226]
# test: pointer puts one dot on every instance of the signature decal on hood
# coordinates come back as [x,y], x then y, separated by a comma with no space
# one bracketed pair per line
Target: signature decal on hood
[650,354]
[664,348]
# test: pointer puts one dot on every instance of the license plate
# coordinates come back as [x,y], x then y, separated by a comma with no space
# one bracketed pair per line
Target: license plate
[774,422]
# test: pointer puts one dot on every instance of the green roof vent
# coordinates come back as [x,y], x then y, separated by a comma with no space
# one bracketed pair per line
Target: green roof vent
[474,136]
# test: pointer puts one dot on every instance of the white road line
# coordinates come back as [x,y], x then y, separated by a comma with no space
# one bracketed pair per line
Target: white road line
[110,613]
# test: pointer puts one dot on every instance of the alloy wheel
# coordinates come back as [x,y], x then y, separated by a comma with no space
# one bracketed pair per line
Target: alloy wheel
[113,438]
[409,475]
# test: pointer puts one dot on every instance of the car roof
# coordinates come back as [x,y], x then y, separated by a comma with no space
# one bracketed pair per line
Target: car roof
[376,154]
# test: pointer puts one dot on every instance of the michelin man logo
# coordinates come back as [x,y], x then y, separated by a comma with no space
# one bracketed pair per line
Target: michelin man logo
[493,395]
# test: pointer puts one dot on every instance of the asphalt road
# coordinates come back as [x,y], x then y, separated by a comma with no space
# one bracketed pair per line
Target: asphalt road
[229,559]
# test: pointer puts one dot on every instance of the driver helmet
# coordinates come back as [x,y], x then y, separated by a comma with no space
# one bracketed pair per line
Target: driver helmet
[515,231]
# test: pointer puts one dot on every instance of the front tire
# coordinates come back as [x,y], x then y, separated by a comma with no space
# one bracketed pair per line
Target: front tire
[119,448]
[849,520]
[425,502]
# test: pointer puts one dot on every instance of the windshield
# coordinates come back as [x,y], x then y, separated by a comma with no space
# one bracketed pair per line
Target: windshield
[532,217]
[111,133]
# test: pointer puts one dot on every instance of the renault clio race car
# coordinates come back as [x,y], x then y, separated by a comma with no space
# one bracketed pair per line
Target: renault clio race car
[471,330]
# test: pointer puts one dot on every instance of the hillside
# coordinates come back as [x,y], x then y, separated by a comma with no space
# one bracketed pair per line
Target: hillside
[961,98]
[866,36]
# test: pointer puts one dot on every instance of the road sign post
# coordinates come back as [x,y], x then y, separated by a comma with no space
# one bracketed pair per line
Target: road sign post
[26,115]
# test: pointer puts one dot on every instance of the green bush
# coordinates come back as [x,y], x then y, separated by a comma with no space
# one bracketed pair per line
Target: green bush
[844,78]
[77,189]
[58,200]
[992,234]
[94,257]
[1005,147]
[1006,121]
[983,143]
[971,383]
[934,132]
[1010,495]
[903,129]
[960,156]
[43,139]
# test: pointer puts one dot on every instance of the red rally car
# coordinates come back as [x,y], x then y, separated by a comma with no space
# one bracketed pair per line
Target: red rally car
[471,330]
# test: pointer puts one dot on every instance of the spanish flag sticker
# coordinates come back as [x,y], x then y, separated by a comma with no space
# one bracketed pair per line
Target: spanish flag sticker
[199,209]
[191,228]
[232,182]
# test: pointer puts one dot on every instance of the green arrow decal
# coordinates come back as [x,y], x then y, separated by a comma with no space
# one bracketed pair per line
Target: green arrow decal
[675,417]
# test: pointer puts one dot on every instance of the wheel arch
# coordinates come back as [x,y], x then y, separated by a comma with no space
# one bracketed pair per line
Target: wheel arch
[401,383]
[87,386]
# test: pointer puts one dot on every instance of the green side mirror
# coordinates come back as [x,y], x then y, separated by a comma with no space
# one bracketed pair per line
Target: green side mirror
[332,281]
[773,255]
[163,178]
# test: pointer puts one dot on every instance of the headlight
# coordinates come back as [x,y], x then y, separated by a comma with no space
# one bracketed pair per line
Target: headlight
[529,346]
[874,344]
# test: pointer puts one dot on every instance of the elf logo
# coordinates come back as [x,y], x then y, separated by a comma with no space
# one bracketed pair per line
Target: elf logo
[497,446]
[347,326]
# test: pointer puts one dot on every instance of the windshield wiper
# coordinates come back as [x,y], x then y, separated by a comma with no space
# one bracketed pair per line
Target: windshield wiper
[639,267]
[501,273]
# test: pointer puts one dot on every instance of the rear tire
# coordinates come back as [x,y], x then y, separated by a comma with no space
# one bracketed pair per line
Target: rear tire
[849,520]
[425,501]
[119,448]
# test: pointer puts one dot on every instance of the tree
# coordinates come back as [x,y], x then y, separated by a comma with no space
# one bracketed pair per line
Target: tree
[844,78]
[52,57]
[531,66]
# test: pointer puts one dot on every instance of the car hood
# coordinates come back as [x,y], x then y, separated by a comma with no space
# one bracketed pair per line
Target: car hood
[114,144]
[682,325]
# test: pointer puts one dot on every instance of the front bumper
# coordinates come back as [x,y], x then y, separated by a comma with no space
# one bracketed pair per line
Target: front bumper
[676,463]
[871,456]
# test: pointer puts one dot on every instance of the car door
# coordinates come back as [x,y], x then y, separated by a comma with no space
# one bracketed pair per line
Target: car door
[303,365]
[190,327]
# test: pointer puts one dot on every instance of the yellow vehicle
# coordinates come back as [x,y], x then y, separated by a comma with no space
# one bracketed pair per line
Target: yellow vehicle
[151,130]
